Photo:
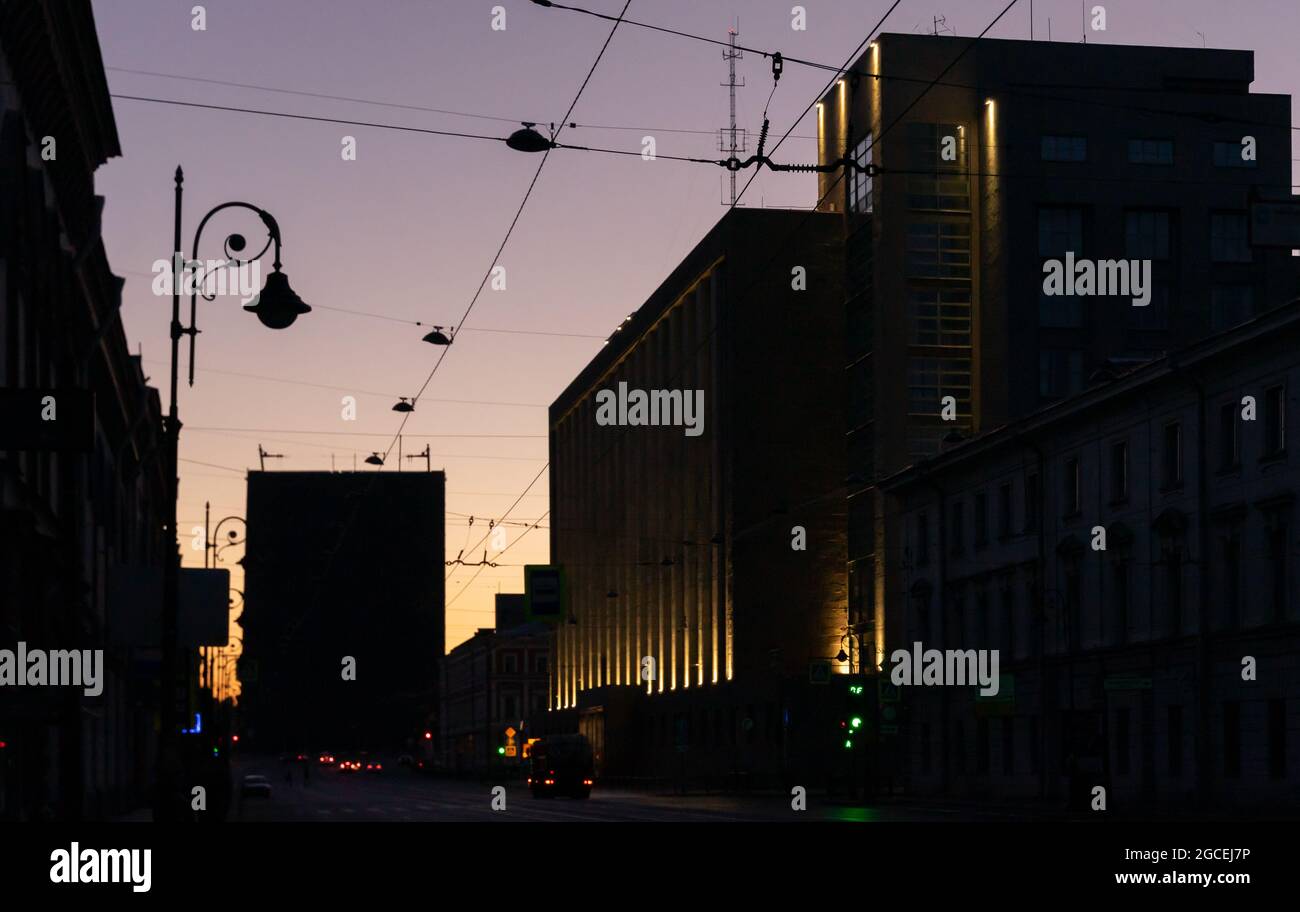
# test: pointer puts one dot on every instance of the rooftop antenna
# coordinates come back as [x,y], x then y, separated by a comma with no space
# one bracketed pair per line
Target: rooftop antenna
[1083,22]
[1202,34]
[426,456]
[730,140]
[1031,20]
[263,456]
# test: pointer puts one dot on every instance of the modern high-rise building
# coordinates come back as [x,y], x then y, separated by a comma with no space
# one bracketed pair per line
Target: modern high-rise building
[343,608]
[991,160]
[697,506]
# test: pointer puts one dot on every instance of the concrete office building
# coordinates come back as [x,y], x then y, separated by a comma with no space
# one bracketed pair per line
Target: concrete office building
[1163,667]
[692,618]
[1020,153]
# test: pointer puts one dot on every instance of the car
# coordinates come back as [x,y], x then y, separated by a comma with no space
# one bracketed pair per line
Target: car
[255,786]
[349,765]
[325,758]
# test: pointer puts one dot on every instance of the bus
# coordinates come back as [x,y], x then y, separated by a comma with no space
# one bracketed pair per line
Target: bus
[561,765]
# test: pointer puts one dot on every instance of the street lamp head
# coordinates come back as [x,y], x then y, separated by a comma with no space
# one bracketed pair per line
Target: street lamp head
[437,337]
[278,305]
[529,140]
[404,406]
[374,459]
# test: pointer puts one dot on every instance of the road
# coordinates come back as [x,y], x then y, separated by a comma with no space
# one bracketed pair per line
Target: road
[399,794]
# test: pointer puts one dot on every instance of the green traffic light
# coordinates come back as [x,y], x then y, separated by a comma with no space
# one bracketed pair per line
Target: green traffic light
[501,750]
[856,722]
[856,689]
[848,745]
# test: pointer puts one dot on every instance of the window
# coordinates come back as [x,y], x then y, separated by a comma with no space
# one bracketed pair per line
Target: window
[981,633]
[1071,493]
[1122,741]
[981,519]
[938,249]
[1008,746]
[930,379]
[1119,586]
[1229,437]
[958,543]
[1146,234]
[1004,510]
[939,317]
[1172,450]
[1035,746]
[540,664]
[1277,540]
[1275,421]
[1060,372]
[1174,590]
[1229,240]
[1064,148]
[509,663]
[1009,619]
[1155,315]
[1230,597]
[1230,155]
[860,183]
[1119,471]
[946,185]
[1277,738]
[1031,502]
[1174,739]
[1231,305]
[1231,739]
[1151,151]
[922,539]
[509,706]
[1059,311]
[1060,229]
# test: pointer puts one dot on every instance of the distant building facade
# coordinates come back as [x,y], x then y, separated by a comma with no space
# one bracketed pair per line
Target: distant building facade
[497,679]
[343,608]
[1163,666]
[68,519]
[704,566]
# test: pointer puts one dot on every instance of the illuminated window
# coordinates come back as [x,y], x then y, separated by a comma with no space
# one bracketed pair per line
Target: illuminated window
[860,183]
[1151,151]
[1064,148]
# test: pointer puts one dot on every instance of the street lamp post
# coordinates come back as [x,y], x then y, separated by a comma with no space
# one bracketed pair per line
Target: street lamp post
[277,306]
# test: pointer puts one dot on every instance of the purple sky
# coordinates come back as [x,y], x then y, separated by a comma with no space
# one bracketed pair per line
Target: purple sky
[409,228]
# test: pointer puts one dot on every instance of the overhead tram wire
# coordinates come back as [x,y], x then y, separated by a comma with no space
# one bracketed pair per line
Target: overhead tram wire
[401,106]
[509,231]
[816,98]
[469,582]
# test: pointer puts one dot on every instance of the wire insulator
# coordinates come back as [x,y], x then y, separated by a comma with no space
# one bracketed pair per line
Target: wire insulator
[778,64]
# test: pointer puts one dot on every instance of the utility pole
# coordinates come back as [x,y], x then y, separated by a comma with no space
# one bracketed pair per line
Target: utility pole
[731,140]
[263,456]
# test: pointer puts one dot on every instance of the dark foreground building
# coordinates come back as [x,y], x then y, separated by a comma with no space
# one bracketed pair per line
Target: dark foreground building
[704,562]
[1131,554]
[342,566]
[69,517]
[1021,153]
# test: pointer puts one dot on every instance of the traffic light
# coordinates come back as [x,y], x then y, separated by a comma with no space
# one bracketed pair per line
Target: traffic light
[853,715]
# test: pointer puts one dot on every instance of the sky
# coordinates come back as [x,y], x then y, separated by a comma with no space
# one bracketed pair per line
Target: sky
[408,229]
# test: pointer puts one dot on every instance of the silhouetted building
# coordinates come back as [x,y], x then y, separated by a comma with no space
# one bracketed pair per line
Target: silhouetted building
[495,681]
[69,518]
[1022,153]
[694,609]
[344,608]
[1130,552]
